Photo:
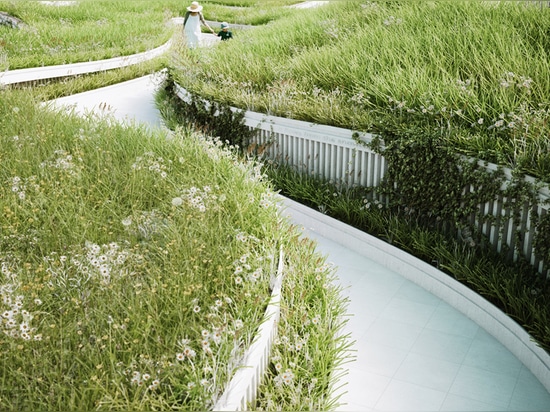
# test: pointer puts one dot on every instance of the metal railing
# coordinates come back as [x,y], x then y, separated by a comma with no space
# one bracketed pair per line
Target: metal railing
[332,153]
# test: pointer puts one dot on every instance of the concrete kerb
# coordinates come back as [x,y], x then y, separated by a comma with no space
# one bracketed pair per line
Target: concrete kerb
[243,387]
[68,70]
[11,77]
[484,313]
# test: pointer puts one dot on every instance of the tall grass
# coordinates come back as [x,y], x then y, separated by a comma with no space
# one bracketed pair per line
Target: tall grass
[476,71]
[135,268]
[85,30]
[101,29]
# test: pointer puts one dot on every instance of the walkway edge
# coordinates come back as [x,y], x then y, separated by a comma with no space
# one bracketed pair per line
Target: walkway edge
[65,70]
[485,314]
[243,387]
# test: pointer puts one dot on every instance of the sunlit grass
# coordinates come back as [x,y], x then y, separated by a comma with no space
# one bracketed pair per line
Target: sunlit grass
[86,30]
[474,71]
[100,29]
[135,268]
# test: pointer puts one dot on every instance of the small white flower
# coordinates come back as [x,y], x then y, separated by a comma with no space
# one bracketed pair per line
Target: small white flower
[190,353]
[177,201]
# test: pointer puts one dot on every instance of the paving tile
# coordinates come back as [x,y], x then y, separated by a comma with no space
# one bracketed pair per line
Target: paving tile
[529,394]
[440,345]
[404,396]
[427,372]
[379,359]
[484,386]
[370,305]
[449,320]
[489,354]
[364,389]
[413,292]
[456,403]
[407,311]
[393,334]
[358,324]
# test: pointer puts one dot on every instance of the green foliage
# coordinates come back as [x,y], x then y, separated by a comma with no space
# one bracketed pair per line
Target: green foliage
[426,180]
[542,238]
[211,118]
[86,30]
[99,29]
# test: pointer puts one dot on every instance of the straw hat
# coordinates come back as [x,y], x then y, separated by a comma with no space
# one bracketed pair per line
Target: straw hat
[194,7]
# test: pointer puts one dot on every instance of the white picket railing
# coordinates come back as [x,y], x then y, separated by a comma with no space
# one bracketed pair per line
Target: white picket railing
[327,151]
[332,153]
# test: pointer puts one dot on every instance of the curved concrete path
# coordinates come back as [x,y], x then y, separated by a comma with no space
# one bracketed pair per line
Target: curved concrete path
[413,351]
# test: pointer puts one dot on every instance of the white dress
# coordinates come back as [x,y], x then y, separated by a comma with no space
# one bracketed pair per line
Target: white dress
[192,31]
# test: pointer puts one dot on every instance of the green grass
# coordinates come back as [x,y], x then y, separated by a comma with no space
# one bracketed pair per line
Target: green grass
[474,71]
[101,29]
[135,268]
[87,30]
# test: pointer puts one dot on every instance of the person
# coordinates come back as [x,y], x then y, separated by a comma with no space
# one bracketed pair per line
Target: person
[192,24]
[225,33]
